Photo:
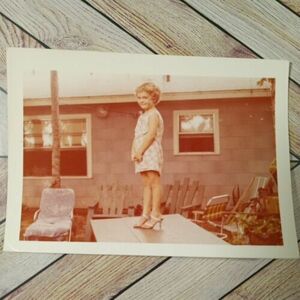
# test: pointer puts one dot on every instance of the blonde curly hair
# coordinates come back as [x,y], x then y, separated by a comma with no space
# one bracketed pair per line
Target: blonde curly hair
[151,89]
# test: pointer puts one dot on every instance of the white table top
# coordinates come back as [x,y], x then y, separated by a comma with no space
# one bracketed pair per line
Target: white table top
[175,229]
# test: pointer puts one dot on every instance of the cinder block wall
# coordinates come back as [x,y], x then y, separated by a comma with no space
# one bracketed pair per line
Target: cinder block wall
[246,142]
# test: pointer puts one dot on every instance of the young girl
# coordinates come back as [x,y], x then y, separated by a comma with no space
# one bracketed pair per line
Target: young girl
[147,153]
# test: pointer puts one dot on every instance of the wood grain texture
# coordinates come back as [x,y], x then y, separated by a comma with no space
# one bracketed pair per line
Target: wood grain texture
[3,123]
[3,187]
[279,280]
[12,36]
[294,117]
[296,197]
[192,278]
[294,5]
[69,25]
[266,27]
[12,275]
[86,277]
[171,27]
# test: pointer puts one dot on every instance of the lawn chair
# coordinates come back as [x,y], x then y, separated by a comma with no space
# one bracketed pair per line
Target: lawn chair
[217,212]
[251,192]
[53,221]
[213,214]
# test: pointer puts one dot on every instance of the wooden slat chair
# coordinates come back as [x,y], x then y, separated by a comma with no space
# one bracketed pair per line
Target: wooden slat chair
[184,198]
[258,199]
[165,196]
[113,202]
[251,192]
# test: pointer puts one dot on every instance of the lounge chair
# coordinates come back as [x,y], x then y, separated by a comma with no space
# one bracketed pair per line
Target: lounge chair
[218,213]
[213,213]
[53,221]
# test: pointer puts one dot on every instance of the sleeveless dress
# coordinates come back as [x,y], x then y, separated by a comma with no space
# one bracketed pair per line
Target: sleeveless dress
[153,156]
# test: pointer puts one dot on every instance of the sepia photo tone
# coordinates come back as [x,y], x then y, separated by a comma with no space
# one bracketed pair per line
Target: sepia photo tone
[129,154]
[217,171]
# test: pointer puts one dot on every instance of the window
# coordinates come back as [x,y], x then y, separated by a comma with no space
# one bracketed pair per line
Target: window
[196,132]
[75,146]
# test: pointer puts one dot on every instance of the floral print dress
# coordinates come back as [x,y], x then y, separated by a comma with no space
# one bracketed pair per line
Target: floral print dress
[153,156]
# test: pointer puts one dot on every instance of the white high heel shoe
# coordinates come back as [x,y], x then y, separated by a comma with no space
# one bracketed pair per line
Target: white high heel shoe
[150,224]
[142,221]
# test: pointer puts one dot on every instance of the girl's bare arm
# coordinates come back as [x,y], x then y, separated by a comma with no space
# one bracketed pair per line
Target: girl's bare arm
[133,150]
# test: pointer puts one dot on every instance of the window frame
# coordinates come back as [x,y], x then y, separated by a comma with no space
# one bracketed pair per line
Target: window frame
[88,119]
[216,131]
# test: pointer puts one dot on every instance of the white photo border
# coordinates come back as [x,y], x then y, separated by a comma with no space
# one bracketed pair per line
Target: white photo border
[20,60]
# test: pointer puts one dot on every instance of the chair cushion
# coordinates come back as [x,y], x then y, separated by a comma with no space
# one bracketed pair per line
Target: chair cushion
[51,227]
[56,203]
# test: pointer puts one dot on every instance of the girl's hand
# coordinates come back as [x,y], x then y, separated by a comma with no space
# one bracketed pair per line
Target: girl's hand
[138,157]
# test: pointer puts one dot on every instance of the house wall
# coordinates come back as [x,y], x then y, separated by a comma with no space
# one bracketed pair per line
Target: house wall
[247,148]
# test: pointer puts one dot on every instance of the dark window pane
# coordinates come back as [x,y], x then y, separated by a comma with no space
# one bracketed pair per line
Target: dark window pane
[73,162]
[37,162]
[196,143]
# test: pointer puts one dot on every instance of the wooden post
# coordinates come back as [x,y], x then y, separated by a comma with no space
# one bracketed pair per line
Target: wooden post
[56,182]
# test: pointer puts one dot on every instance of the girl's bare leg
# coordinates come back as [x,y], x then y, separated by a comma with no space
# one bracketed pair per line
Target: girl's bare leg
[147,199]
[154,180]
[147,194]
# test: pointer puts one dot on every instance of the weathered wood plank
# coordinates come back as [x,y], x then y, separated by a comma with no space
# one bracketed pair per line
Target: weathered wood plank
[294,5]
[191,278]
[3,123]
[12,36]
[69,25]
[171,27]
[279,280]
[86,277]
[266,27]
[294,117]
[15,268]
[3,187]
[296,197]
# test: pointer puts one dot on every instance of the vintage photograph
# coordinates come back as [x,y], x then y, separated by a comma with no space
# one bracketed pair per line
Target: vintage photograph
[162,158]
[159,159]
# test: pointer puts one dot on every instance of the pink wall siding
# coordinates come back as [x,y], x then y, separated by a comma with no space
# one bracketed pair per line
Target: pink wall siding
[246,144]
